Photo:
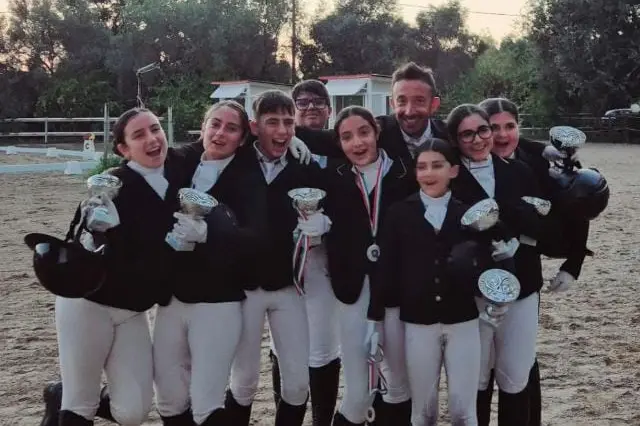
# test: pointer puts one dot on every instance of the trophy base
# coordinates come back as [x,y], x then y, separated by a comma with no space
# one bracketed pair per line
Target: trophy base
[490,316]
[177,244]
[100,220]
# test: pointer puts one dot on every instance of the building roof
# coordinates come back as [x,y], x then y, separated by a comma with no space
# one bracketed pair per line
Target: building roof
[352,76]
[225,83]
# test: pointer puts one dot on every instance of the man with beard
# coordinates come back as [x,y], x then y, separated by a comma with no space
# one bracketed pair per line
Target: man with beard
[414,99]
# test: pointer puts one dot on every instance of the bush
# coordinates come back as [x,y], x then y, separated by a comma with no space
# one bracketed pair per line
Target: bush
[105,163]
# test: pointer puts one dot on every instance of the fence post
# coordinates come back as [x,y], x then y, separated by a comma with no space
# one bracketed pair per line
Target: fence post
[106,132]
[46,130]
[170,125]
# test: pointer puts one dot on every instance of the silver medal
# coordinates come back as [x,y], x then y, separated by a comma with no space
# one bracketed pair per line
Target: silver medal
[373,252]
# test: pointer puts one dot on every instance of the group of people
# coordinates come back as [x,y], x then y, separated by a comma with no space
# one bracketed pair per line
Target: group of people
[379,296]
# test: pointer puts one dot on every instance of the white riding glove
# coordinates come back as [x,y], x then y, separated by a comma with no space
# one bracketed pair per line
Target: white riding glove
[86,240]
[299,150]
[374,338]
[561,282]
[551,153]
[504,250]
[189,229]
[100,212]
[315,225]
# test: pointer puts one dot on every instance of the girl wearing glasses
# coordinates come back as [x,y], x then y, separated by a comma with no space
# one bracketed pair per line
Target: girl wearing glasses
[504,117]
[509,348]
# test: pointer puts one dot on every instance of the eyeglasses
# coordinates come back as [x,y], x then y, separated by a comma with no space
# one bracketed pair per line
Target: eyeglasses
[305,103]
[467,136]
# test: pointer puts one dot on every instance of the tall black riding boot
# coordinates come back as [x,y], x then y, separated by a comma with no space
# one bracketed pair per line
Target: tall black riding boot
[53,400]
[483,403]
[396,414]
[340,420]
[378,407]
[104,409]
[323,383]
[69,418]
[535,396]
[217,418]
[513,408]
[52,396]
[236,414]
[275,378]
[182,419]
[290,415]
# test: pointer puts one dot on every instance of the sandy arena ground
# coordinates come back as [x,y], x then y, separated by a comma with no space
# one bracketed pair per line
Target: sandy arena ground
[589,345]
[29,159]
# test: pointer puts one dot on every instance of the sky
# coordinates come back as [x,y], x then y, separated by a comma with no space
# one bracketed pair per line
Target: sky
[496,25]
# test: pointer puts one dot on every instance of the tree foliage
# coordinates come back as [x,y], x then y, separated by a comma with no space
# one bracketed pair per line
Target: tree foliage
[512,71]
[591,51]
[69,57]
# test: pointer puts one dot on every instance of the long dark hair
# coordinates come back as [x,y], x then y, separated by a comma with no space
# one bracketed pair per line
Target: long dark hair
[121,124]
[458,114]
[229,103]
[437,145]
[360,112]
[494,106]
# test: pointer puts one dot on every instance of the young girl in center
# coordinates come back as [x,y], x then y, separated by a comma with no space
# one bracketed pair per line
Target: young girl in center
[359,192]
[437,303]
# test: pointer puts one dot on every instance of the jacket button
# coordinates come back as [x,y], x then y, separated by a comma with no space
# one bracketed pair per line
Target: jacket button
[438,298]
[436,262]
[436,280]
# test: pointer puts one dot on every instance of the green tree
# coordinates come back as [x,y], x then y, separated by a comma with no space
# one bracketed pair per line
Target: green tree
[445,43]
[358,37]
[512,71]
[591,51]
[33,35]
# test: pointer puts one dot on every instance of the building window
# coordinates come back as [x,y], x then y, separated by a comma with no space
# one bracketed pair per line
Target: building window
[344,101]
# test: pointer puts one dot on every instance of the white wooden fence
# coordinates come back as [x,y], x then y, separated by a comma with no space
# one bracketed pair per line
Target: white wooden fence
[106,121]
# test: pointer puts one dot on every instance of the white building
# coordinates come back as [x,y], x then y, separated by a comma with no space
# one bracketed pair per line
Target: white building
[372,91]
[245,91]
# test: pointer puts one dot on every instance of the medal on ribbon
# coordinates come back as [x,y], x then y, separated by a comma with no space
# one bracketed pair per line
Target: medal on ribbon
[373,208]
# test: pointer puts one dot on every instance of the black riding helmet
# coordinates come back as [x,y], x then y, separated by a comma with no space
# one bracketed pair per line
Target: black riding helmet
[581,192]
[66,268]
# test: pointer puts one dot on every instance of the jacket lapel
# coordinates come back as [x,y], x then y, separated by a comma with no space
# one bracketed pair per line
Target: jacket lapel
[452,218]
[501,174]
[418,207]
[468,186]
[392,140]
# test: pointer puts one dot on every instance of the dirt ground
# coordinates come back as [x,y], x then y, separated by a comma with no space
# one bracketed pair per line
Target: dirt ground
[29,159]
[589,338]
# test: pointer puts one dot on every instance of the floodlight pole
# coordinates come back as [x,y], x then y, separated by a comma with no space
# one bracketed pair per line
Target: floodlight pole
[147,68]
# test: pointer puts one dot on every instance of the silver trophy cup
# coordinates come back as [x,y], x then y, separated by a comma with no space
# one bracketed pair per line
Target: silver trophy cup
[109,185]
[567,137]
[306,201]
[196,204]
[542,206]
[482,215]
[498,287]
